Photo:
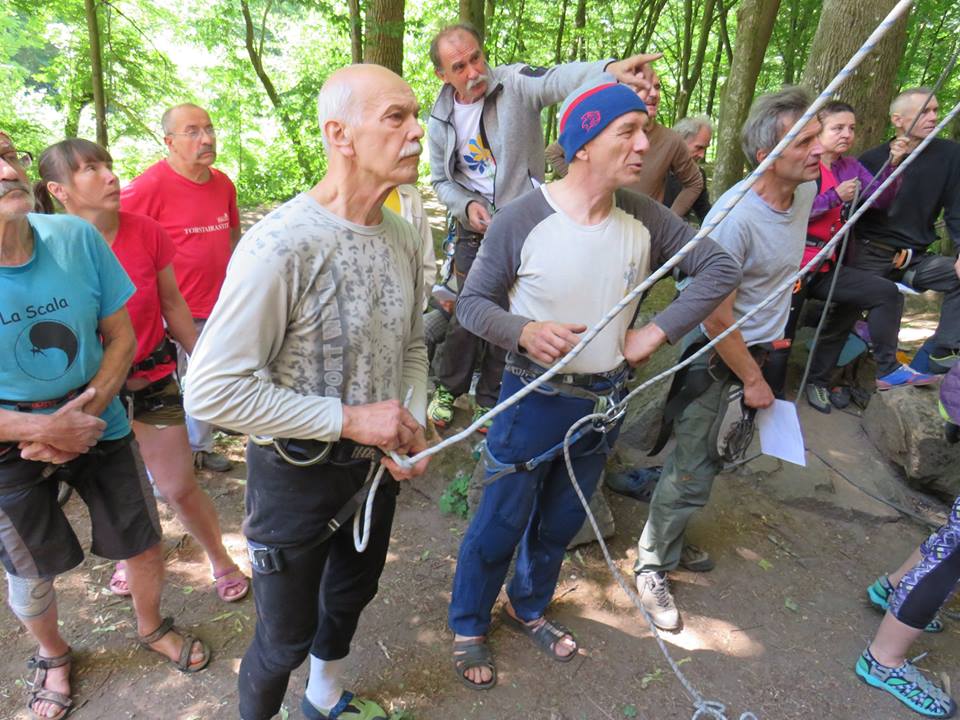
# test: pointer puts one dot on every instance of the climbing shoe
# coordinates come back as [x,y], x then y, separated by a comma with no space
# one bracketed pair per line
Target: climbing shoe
[942,363]
[908,685]
[349,707]
[696,559]
[440,409]
[478,413]
[654,591]
[904,375]
[819,398]
[879,595]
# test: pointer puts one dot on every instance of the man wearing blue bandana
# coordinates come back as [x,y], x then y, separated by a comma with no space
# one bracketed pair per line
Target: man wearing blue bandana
[552,263]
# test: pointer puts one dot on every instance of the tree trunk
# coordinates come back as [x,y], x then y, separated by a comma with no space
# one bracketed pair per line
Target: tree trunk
[96,72]
[754,28]
[844,25]
[691,79]
[557,59]
[384,41]
[472,11]
[714,78]
[356,32]
[578,50]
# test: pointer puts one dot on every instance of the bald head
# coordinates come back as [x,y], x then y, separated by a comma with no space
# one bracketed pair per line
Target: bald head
[171,116]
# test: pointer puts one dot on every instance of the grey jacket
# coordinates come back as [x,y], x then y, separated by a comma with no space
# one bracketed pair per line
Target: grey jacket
[516,94]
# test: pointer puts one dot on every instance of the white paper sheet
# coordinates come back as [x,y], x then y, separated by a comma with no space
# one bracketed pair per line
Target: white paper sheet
[780,434]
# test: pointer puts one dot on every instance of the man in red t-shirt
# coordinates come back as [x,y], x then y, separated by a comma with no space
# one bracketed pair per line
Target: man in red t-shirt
[197,206]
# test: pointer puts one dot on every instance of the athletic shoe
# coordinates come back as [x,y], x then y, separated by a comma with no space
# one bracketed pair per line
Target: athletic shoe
[203,460]
[349,707]
[478,413]
[840,397]
[908,685]
[638,483]
[696,559]
[440,409]
[942,363]
[879,595]
[818,397]
[654,591]
[904,375]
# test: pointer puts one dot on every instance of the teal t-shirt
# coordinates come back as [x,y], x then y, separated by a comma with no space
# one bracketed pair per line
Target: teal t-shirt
[49,311]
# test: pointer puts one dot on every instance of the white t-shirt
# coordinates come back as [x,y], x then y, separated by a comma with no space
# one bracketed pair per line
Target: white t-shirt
[475,168]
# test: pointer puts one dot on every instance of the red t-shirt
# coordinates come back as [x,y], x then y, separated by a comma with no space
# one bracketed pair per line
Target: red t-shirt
[144,249]
[825,226]
[198,218]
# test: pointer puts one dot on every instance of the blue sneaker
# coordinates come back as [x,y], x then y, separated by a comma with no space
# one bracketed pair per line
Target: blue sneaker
[879,594]
[904,375]
[908,685]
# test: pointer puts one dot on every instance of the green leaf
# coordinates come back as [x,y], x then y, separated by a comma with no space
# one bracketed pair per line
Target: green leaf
[791,605]
[765,564]
[630,711]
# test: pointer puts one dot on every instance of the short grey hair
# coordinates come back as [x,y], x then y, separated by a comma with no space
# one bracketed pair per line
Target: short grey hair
[770,117]
[166,120]
[690,127]
[336,102]
[898,104]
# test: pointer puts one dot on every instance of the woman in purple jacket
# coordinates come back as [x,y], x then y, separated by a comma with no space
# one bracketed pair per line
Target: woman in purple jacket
[841,178]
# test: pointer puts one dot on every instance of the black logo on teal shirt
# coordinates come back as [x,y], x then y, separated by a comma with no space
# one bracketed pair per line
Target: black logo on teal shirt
[46,350]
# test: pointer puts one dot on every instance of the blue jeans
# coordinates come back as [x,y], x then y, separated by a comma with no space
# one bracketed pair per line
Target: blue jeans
[537,510]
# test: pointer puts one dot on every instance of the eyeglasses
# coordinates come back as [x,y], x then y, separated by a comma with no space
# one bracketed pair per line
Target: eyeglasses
[15,158]
[195,134]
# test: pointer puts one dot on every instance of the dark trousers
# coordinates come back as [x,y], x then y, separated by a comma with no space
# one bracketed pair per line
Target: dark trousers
[313,604]
[856,290]
[461,349]
[925,272]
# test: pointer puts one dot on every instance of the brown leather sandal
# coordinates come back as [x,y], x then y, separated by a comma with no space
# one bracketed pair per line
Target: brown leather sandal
[38,693]
[186,650]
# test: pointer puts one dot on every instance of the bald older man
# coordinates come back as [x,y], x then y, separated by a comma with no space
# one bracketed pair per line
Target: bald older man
[316,338]
[197,205]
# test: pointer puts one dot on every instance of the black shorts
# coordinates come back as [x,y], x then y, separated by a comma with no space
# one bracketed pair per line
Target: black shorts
[36,539]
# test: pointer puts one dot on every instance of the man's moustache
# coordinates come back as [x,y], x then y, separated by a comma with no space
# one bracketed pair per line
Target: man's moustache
[479,80]
[8,186]
[410,150]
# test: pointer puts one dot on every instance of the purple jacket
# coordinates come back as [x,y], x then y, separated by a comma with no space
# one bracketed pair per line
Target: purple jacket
[846,168]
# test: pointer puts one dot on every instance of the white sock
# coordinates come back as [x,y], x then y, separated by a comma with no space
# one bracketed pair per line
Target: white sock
[324,689]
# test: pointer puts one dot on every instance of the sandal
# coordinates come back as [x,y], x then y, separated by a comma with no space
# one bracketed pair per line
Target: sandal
[470,654]
[38,693]
[118,581]
[224,584]
[183,663]
[546,636]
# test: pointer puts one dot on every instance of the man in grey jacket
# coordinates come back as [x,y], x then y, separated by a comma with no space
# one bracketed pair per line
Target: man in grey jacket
[486,149]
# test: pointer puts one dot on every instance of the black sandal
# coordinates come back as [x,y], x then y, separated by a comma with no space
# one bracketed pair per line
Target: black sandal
[546,636]
[186,650]
[38,693]
[470,654]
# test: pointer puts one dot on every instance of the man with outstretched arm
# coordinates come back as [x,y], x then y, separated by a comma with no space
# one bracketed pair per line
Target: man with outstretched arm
[765,233]
[314,344]
[552,264]
[486,149]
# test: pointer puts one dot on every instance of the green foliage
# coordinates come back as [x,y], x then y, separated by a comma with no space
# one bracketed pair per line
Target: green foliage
[453,500]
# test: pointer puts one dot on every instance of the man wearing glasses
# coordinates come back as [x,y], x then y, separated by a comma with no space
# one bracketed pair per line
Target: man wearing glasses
[197,205]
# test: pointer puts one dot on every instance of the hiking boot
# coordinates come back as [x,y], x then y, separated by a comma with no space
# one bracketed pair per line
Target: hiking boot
[478,413]
[942,363]
[879,595]
[203,460]
[906,684]
[654,591]
[904,375]
[440,409]
[818,397]
[696,559]
[638,483]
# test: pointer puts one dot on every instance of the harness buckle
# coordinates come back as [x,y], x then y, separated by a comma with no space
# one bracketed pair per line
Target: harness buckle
[264,559]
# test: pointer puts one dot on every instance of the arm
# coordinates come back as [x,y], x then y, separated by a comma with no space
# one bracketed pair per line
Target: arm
[827,200]
[687,172]
[451,193]
[234,238]
[734,352]
[175,312]
[69,428]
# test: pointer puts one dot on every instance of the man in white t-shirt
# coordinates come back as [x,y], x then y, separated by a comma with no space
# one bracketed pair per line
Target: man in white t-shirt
[486,149]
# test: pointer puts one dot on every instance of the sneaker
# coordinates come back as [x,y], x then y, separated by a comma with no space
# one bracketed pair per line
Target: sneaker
[479,412]
[203,460]
[349,706]
[879,595]
[906,684]
[638,483]
[942,363]
[654,591]
[440,409]
[904,375]
[818,397]
[696,559]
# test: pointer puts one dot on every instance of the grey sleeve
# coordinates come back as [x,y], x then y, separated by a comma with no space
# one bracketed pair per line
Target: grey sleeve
[483,307]
[451,193]
[715,274]
[543,87]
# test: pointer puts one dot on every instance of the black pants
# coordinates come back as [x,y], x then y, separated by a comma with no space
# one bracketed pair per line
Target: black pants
[857,290]
[925,272]
[313,604]
[461,349]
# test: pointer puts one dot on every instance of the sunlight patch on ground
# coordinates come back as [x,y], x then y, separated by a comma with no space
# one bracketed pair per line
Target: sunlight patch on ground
[917,334]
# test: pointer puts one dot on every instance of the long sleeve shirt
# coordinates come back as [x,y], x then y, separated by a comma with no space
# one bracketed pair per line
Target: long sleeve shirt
[847,168]
[669,153]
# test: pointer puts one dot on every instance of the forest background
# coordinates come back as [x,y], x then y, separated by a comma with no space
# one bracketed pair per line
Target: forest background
[106,69]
